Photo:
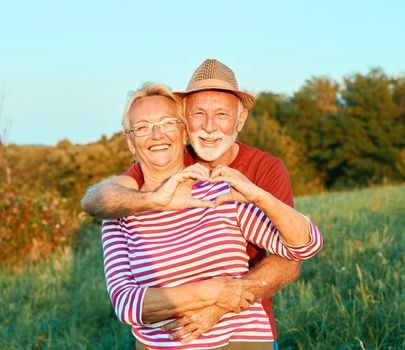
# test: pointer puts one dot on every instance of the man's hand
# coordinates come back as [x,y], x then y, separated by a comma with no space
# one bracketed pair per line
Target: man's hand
[195,323]
[234,294]
[242,189]
[175,193]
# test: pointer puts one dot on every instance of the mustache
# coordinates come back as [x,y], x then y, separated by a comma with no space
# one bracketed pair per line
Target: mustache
[206,135]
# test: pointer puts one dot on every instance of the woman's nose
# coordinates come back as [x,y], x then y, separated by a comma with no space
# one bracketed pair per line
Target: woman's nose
[156,133]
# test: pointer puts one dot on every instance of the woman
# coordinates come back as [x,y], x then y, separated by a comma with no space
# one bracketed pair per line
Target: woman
[159,265]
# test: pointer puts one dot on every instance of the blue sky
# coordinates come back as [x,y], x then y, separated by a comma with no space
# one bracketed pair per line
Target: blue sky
[66,66]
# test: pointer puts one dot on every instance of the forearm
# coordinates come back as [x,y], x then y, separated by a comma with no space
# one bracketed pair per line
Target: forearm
[276,272]
[163,303]
[228,293]
[292,225]
[137,304]
[115,197]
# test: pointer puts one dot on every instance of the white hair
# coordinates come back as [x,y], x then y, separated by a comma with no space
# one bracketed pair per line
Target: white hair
[147,90]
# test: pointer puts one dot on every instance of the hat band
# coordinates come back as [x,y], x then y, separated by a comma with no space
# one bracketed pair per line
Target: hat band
[211,84]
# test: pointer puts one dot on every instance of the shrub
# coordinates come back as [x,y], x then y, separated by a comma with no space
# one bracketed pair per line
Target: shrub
[33,225]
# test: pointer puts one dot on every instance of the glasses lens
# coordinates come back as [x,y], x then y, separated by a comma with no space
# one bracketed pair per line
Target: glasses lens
[142,129]
[167,125]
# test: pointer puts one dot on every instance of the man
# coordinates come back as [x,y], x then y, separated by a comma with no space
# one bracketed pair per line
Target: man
[216,111]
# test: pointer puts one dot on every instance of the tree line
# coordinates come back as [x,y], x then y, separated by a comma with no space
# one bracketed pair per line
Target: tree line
[331,136]
[335,136]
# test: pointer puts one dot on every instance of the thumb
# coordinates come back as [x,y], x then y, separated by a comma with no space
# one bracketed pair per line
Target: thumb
[223,198]
[200,203]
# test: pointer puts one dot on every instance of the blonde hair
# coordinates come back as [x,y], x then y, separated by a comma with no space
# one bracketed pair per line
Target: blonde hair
[150,89]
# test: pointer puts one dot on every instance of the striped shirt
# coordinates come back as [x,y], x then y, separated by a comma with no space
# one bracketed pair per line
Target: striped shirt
[170,248]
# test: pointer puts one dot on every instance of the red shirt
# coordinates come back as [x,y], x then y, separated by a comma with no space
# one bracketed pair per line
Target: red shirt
[265,171]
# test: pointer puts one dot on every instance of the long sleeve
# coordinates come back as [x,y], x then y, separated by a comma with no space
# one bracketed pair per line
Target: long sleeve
[259,230]
[126,295]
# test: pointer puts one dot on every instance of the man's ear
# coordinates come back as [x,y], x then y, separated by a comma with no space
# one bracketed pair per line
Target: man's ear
[130,144]
[185,136]
[242,118]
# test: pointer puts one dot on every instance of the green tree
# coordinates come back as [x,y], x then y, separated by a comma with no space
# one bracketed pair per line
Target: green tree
[309,118]
[266,133]
[399,98]
[370,151]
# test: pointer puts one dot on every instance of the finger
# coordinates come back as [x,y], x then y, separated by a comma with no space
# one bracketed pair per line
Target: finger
[248,296]
[218,171]
[244,304]
[203,169]
[201,203]
[224,198]
[225,178]
[180,178]
[185,175]
[176,324]
[223,170]
[236,185]
[236,309]
[192,336]
[199,169]
[183,331]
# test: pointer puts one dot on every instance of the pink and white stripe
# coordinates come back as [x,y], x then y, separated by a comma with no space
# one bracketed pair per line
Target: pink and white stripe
[166,249]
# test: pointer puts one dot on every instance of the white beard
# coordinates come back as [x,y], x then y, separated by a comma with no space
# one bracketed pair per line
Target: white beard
[210,154]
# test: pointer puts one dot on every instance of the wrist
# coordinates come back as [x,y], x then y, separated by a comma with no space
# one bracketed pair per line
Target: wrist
[152,201]
[210,291]
[262,198]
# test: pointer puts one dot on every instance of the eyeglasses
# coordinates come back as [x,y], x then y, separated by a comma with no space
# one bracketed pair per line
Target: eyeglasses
[144,128]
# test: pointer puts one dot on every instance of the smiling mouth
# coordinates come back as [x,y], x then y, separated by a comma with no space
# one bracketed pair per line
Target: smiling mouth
[209,141]
[159,147]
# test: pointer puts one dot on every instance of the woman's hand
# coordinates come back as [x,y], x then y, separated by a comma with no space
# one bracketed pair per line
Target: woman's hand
[195,323]
[175,193]
[242,189]
[232,296]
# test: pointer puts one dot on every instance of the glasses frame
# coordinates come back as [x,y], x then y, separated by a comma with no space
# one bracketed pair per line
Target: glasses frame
[158,124]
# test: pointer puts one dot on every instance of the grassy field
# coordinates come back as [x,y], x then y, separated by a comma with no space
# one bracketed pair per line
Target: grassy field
[351,296]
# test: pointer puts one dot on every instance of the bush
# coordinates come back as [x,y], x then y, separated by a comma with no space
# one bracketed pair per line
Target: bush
[33,225]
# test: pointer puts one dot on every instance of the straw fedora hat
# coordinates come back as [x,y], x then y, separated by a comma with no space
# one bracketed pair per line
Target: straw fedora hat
[214,75]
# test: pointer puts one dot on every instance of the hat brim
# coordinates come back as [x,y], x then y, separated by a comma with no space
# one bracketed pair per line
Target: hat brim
[247,99]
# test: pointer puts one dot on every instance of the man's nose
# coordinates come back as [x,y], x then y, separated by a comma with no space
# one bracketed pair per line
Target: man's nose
[209,123]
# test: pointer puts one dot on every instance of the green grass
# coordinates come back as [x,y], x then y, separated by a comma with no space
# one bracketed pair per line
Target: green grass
[62,303]
[350,296]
